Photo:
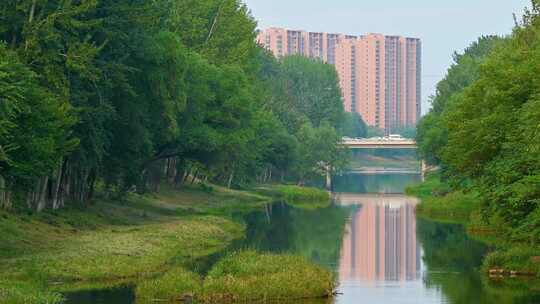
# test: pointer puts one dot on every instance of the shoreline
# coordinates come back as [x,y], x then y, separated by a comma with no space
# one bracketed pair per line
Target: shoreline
[506,260]
[113,243]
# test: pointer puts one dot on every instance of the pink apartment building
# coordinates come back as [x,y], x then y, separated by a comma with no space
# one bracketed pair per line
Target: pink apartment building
[380,76]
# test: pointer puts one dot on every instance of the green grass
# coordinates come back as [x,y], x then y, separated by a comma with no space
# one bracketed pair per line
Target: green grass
[300,197]
[439,203]
[514,257]
[112,242]
[173,286]
[26,292]
[126,252]
[251,276]
[244,277]
[432,186]
[150,241]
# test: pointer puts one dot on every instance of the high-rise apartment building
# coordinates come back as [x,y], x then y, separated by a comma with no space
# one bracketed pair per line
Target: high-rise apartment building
[380,76]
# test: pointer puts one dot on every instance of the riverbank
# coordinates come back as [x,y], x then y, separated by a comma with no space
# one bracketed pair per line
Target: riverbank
[439,202]
[507,257]
[112,242]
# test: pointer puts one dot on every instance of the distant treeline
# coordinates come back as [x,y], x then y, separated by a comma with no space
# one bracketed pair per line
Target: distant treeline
[484,127]
[113,96]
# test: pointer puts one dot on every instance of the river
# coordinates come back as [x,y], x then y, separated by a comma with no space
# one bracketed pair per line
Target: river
[371,238]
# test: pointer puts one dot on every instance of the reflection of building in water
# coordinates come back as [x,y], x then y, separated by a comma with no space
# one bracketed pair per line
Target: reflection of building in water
[380,242]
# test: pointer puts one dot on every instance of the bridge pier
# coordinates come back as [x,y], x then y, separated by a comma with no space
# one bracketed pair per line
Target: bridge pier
[328,179]
[424,169]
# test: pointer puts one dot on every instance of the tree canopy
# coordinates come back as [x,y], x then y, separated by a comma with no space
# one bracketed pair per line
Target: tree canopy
[484,127]
[120,96]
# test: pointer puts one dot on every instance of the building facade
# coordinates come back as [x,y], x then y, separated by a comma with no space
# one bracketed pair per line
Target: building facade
[380,76]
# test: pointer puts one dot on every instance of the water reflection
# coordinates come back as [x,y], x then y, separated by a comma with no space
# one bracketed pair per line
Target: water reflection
[380,240]
[374,183]
[388,256]
[374,242]
[380,254]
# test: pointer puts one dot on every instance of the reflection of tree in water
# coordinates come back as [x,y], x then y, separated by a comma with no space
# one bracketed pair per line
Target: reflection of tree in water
[314,234]
[447,246]
[453,260]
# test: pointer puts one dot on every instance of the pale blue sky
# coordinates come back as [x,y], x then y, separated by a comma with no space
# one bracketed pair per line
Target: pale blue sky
[444,26]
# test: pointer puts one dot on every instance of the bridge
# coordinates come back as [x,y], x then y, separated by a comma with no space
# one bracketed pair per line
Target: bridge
[350,199]
[391,142]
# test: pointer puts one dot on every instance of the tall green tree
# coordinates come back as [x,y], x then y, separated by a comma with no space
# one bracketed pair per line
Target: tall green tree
[34,129]
[431,130]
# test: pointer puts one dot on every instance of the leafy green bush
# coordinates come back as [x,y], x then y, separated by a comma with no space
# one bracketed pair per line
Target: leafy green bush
[520,258]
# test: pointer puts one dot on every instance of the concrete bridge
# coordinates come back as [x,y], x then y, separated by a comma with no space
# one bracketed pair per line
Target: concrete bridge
[391,142]
[349,199]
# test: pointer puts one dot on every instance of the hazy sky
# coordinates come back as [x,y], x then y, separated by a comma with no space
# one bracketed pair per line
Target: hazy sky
[443,25]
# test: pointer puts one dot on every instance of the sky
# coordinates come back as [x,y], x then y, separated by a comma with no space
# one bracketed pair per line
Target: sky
[444,26]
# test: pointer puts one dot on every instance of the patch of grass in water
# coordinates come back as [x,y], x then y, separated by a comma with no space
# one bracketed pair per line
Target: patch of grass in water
[175,285]
[245,276]
[22,292]
[300,197]
[252,276]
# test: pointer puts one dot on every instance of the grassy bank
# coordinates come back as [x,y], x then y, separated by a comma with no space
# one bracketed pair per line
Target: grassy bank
[442,204]
[244,277]
[112,241]
[301,197]
[14,292]
[137,240]
[507,258]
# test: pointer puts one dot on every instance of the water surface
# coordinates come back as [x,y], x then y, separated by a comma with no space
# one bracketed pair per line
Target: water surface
[371,238]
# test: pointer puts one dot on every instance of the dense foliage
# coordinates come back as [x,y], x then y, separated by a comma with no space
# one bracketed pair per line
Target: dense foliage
[484,128]
[117,96]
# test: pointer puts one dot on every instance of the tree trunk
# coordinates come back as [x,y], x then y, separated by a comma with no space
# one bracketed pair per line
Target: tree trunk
[5,195]
[187,172]
[42,197]
[30,19]
[82,188]
[91,185]
[194,177]
[178,177]
[214,22]
[231,177]
[57,186]
[2,193]
[32,11]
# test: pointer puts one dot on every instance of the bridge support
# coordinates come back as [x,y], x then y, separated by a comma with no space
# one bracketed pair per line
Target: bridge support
[424,170]
[328,178]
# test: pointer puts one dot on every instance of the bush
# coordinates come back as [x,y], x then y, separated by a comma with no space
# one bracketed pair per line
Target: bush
[175,285]
[511,257]
[252,276]
[296,194]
